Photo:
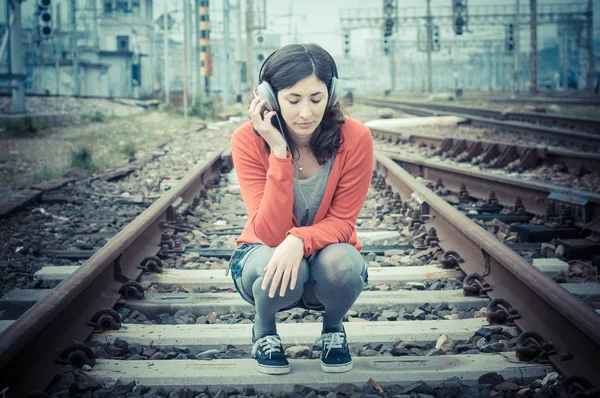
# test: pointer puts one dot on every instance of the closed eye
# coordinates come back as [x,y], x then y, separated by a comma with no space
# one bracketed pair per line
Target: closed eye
[313,101]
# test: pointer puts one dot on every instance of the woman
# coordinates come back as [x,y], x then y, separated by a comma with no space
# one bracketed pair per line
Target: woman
[303,191]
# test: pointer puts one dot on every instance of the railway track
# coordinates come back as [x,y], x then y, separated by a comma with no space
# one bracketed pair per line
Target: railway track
[487,153]
[563,128]
[590,101]
[188,311]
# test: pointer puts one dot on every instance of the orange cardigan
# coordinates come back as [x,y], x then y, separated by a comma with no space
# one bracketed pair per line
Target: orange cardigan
[267,186]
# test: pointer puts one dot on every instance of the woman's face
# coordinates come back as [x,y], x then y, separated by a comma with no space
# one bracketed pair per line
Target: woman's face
[303,105]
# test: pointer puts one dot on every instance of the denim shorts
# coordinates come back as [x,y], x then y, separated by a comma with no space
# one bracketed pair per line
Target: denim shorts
[236,264]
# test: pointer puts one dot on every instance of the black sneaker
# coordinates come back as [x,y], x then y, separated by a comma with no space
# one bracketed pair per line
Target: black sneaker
[335,355]
[269,355]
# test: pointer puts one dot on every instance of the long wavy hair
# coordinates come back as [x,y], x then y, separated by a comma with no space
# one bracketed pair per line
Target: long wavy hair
[292,63]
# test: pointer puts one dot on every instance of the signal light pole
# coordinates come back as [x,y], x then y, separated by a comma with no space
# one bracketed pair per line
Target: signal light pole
[429,45]
[533,64]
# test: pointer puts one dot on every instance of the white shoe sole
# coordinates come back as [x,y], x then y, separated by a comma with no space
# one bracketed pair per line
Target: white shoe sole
[273,370]
[336,368]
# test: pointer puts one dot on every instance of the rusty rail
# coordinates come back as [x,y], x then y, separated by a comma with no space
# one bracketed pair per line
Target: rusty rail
[421,109]
[529,156]
[30,347]
[534,195]
[544,306]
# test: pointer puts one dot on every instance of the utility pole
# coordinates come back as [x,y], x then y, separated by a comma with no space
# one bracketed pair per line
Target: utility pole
[533,64]
[77,86]
[249,43]
[185,59]
[429,45]
[15,57]
[197,61]
[227,88]
[238,51]
[166,52]
[192,51]
[95,24]
[517,49]
[590,45]
[393,65]
[57,49]
[564,53]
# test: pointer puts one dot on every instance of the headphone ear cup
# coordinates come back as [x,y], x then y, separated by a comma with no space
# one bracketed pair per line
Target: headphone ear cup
[335,92]
[265,91]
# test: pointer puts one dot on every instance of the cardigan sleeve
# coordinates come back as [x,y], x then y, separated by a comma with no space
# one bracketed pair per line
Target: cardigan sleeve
[339,224]
[268,193]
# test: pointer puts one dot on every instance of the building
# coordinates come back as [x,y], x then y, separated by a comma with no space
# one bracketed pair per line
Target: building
[114,48]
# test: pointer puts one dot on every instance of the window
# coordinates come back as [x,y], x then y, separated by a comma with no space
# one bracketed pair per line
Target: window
[122,5]
[108,5]
[122,43]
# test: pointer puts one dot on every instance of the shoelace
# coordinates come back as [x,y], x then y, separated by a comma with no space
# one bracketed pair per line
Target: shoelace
[331,340]
[267,344]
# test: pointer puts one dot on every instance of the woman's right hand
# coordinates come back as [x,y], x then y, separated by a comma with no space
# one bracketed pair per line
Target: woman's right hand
[264,127]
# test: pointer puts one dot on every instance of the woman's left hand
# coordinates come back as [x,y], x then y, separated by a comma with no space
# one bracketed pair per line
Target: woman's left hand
[283,266]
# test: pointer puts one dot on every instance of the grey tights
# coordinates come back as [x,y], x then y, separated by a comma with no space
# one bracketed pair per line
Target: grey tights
[332,278]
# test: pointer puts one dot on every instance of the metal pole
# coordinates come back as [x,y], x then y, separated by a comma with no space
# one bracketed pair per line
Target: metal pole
[95,24]
[249,43]
[227,87]
[564,54]
[57,48]
[198,88]
[166,52]
[429,45]
[238,52]
[533,64]
[185,59]
[192,51]
[590,45]
[517,48]
[76,91]
[7,24]
[16,60]
[393,65]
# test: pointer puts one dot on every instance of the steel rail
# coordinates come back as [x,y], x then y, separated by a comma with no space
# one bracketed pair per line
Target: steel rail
[533,194]
[587,123]
[543,305]
[589,101]
[550,155]
[519,127]
[30,347]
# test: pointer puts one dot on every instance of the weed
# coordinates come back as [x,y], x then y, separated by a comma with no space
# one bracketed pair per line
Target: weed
[97,117]
[129,149]
[82,158]
[19,128]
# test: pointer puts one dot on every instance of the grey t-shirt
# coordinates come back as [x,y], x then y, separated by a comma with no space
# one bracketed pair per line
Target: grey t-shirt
[313,189]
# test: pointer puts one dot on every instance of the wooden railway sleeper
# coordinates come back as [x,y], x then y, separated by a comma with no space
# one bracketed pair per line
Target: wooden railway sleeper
[475,285]
[106,319]
[499,311]
[151,264]
[77,355]
[531,346]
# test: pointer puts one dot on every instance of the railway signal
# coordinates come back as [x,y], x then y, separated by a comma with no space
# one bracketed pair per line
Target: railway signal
[510,37]
[44,19]
[460,16]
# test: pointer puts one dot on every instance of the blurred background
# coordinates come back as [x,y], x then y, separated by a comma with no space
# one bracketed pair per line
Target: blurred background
[142,49]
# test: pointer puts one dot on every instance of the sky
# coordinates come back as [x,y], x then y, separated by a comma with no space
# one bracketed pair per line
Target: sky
[318,21]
